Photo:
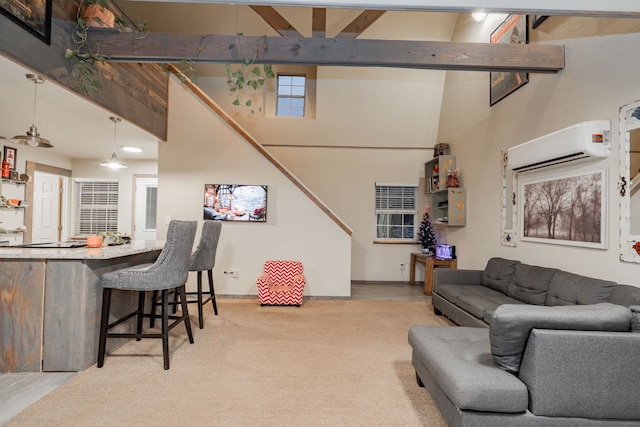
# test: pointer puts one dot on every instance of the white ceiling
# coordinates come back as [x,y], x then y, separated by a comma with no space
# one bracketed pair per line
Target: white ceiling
[78,128]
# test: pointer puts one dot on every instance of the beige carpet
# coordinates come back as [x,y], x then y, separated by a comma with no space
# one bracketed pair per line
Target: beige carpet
[327,363]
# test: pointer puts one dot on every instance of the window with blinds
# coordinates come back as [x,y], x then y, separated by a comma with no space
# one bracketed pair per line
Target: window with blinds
[395,212]
[151,211]
[96,203]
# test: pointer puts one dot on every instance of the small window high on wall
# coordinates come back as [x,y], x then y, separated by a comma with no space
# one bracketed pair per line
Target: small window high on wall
[291,95]
[395,212]
[96,206]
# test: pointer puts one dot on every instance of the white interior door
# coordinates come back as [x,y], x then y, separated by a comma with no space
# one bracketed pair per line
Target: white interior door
[46,210]
[144,208]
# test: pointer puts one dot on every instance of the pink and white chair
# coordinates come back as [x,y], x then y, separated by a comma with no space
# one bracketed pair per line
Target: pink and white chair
[282,283]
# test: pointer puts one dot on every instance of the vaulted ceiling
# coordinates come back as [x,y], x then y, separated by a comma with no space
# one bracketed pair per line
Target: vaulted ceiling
[297,30]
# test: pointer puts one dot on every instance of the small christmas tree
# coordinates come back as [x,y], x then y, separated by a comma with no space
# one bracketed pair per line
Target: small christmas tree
[426,236]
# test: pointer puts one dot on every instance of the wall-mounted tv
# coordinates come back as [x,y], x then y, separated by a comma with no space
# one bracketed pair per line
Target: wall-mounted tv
[235,202]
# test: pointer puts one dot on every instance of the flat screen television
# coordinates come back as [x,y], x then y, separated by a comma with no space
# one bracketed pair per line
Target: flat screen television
[235,202]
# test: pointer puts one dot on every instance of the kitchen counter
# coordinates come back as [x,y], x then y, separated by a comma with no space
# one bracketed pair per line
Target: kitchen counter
[50,303]
[106,252]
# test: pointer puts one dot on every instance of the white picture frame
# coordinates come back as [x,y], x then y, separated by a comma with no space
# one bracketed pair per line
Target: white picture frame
[568,208]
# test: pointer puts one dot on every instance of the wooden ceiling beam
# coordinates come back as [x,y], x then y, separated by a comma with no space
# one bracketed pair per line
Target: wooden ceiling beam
[276,21]
[319,22]
[361,23]
[174,48]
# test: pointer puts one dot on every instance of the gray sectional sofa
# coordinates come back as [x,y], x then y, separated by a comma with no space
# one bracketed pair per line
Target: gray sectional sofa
[539,346]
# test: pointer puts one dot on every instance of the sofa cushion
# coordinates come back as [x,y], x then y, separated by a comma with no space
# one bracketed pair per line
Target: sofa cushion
[635,320]
[498,272]
[530,283]
[460,362]
[568,289]
[511,324]
[481,305]
[452,292]
[626,295]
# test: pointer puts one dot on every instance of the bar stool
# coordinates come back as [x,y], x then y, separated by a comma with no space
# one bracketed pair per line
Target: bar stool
[202,259]
[168,272]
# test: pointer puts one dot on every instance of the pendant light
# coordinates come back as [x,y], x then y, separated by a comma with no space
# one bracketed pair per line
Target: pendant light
[32,137]
[113,162]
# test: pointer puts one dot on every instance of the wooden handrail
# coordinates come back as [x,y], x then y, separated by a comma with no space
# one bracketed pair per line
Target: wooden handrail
[251,140]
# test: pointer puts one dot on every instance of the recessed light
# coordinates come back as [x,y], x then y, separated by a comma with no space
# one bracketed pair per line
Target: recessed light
[132,148]
[479,16]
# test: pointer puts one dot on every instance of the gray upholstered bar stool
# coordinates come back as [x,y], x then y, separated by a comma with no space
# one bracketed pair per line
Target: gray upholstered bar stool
[169,272]
[202,259]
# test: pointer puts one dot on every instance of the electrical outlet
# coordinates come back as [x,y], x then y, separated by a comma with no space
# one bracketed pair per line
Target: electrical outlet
[232,273]
[403,265]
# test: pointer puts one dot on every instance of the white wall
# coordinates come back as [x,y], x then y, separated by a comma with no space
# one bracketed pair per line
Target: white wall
[202,149]
[371,125]
[600,76]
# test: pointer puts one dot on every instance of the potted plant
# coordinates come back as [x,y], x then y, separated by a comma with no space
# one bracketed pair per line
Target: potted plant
[112,238]
[96,14]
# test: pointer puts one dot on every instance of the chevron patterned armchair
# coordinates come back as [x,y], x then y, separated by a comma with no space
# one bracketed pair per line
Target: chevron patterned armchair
[282,283]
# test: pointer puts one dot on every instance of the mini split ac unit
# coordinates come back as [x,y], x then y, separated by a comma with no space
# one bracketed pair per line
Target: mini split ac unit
[583,141]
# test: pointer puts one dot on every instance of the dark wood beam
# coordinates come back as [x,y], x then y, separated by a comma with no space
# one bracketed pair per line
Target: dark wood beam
[319,22]
[276,21]
[173,48]
[361,23]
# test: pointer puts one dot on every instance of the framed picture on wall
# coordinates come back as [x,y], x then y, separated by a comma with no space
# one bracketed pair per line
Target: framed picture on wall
[567,208]
[10,156]
[32,15]
[511,30]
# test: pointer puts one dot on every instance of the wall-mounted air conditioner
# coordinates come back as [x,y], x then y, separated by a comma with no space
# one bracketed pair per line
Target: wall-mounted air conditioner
[583,141]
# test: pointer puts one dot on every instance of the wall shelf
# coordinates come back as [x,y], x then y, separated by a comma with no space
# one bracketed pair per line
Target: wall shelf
[448,204]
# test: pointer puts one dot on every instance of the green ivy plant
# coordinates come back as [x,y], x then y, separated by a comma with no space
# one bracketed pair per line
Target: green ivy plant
[248,74]
[88,58]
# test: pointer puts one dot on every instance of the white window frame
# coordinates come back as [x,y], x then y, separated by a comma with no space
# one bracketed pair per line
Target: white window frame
[399,203]
[289,95]
[99,211]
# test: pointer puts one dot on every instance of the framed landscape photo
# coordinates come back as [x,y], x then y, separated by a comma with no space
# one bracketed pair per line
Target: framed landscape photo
[565,209]
[511,30]
[33,15]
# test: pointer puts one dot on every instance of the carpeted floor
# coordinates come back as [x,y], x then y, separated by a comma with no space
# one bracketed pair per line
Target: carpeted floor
[327,363]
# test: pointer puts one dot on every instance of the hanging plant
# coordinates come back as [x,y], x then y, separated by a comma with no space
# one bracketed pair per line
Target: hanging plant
[91,13]
[248,73]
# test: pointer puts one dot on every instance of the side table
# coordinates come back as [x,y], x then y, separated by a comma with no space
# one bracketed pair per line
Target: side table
[430,262]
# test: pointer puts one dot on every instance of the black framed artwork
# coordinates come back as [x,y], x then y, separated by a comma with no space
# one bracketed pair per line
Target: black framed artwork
[512,30]
[32,15]
[10,155]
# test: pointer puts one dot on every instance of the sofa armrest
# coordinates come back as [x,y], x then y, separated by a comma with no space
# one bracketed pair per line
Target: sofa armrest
[582,374]
[446,276]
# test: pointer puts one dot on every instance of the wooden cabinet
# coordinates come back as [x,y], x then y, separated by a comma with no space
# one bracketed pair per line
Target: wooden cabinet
[435,172]
[448,204]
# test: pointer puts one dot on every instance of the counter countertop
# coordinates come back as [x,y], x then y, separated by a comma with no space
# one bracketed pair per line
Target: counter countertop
[107,252]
